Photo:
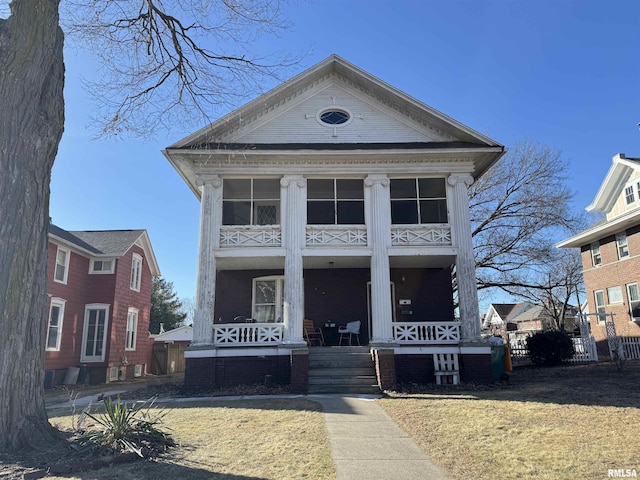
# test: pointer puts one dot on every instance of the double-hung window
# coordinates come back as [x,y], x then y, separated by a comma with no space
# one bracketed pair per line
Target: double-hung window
[335,201]
[136,272]
[94,334]
[132,328]
[418,200]
[629,194]
[623,247]
[634,301]
[596,256]
[268,303]
[251,201]
[599,303]
[62,265]
[54,329]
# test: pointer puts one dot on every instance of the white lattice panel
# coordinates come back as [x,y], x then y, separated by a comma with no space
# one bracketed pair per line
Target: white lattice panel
[422,235]
[415,333]
[234,335]
[336,235]
[250,237]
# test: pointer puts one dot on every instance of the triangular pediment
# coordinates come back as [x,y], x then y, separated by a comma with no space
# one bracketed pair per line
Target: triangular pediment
[378,113]
[610,197]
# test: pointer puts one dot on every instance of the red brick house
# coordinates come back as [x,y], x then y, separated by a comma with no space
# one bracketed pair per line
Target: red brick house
[610,252]
[99,289]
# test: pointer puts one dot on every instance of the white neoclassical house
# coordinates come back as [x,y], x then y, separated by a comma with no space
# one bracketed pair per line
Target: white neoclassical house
[335,198]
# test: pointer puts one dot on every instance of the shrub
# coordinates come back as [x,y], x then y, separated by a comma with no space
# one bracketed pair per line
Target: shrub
[550,348]
[128,428]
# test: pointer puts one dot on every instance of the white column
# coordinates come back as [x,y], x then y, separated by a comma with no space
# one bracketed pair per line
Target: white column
[379,235]
[465,261]
[210,220]
[293,238]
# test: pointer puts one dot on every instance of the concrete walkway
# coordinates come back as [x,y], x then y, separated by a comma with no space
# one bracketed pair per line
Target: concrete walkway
[367,444]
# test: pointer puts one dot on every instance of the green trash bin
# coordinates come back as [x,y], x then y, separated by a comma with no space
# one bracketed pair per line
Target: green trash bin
[497,362]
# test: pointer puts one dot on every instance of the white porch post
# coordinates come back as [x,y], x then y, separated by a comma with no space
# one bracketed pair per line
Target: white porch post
[293,235]
[379,234]
[210,220]
[465,262]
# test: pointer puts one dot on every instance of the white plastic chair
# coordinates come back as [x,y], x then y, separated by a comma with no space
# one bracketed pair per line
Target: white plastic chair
[350,329]
[446,365]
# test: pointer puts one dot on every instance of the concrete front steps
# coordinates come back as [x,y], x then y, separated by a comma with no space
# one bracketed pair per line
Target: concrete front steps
[342,370]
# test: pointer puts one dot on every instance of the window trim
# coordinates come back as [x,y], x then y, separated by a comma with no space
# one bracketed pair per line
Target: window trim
[131,335]
[609,289]
[85,332]
[622,247]
[599,306]
[279,303]
[92,268]
[632,284]
[595,253]
[60,303]
[65,265]
[136,272]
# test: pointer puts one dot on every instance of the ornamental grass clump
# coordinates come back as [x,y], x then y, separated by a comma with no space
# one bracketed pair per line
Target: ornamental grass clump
[128,428]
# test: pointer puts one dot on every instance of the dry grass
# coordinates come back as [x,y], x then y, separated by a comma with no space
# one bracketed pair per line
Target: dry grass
[560,423]
[249,439]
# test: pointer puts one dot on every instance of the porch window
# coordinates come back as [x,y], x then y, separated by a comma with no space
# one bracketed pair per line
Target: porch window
[54,329]
[621,243]
[62,265]
[250,201]
[418,201]
[599,302]
[596,257]
[94,335]
[267,300]
[132,329]
[634,301]
[335,201]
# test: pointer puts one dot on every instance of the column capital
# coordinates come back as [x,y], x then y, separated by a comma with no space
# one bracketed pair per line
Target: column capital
[456,178]
[213,180]
[372,180]
[288,180]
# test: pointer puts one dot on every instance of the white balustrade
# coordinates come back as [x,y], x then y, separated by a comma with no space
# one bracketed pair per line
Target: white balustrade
[247,334]
[408,235]
[321,235]
[420,333]
[250,236]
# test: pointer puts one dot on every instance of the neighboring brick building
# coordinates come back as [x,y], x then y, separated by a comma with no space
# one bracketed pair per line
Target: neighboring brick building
[99,288]
[610,252]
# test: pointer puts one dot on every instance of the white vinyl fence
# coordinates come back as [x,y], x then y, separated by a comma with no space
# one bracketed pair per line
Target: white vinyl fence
[585,349]
[631,346]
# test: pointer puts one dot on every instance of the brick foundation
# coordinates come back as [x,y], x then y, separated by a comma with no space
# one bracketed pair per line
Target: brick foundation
[233,371]
[384,359]
[299,371]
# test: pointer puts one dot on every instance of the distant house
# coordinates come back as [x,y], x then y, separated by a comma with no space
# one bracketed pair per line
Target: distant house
[99,289]
[517,321]
[168,350]
[611,253]
[338,199]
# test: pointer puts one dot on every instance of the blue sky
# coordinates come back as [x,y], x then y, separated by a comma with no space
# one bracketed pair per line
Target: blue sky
[563,73]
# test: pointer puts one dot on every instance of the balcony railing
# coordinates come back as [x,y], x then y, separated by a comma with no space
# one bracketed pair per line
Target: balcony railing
[336,235]
[423,333]
[409,235]
[247,334]
[250,236]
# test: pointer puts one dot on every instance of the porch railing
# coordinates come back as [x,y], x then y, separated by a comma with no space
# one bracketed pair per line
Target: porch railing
[250,236]
[247,334]
[408,235]
[420,333]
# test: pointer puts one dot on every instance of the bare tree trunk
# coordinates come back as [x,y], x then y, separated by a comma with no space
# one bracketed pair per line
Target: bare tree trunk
[31,125]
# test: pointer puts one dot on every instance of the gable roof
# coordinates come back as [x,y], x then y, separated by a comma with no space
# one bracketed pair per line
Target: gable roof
[107,243]
[281,120]
[610,190]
